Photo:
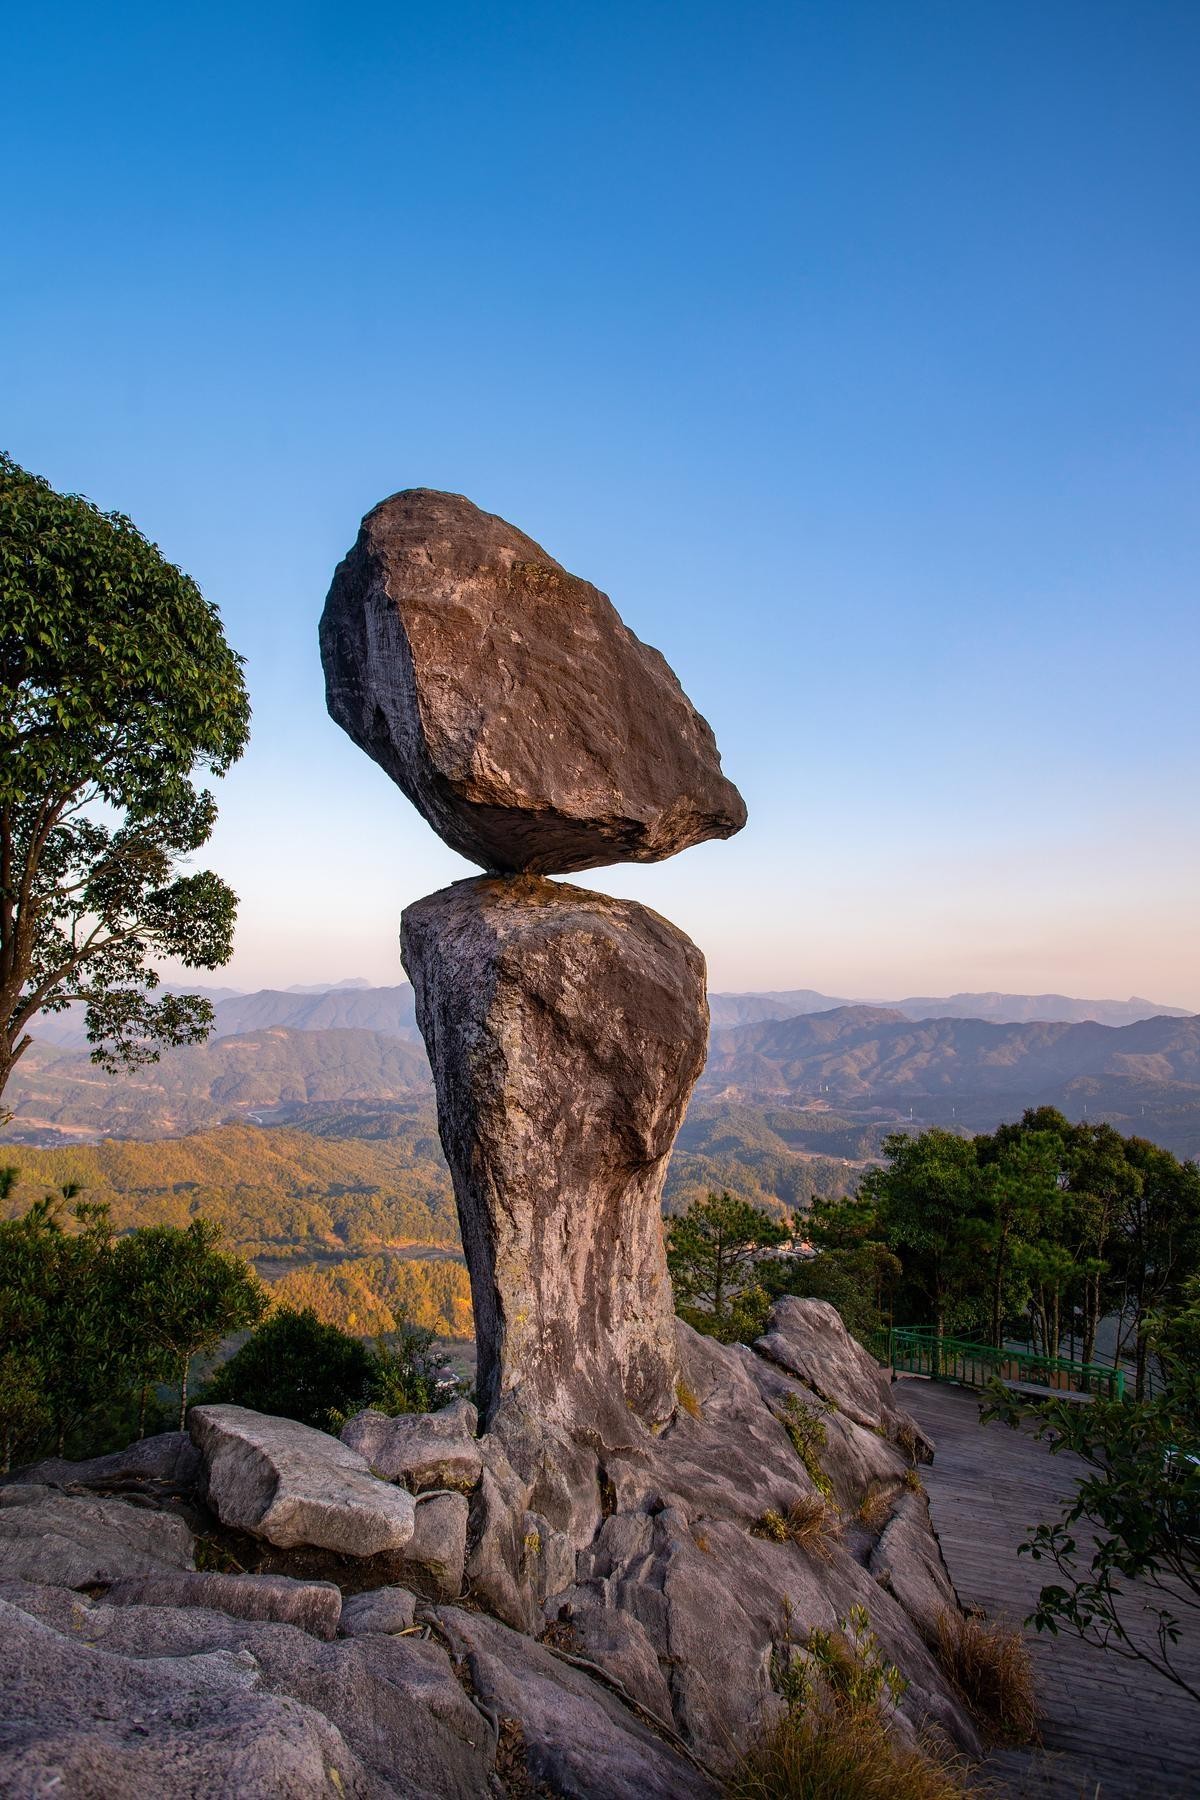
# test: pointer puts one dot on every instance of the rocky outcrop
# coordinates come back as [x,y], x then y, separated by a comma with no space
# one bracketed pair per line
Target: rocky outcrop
[809,1340]
[566,1030]
[81,1540]
[531,727]
[292,1485]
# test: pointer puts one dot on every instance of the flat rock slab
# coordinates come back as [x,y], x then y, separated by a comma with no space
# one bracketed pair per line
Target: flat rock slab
[78,1540]
[530,726]
[314,1606]
[291,1485]
[423,1450]
[566,1030]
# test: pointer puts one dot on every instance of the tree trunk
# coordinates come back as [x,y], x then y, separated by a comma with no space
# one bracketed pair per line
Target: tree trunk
[183,1389]
[142,1410]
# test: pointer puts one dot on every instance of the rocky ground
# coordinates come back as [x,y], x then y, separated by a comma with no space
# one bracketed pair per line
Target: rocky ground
[260,1609]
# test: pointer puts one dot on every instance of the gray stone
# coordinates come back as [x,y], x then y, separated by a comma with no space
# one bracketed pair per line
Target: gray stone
[291,1485]
[435,1555]
[387,1712]
[79,1540]
[314,1606]
[378,1613]
[809,1340]
[170,1456]
[79,1721]
[578,1739]
[566,1030]
[907,1560]
[533,730]
[422,1450]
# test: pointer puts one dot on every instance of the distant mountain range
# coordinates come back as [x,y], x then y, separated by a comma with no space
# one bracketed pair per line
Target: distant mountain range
[1001,1009]
[356,1006]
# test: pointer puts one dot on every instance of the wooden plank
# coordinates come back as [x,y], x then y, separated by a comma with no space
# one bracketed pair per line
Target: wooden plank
[1112,1730]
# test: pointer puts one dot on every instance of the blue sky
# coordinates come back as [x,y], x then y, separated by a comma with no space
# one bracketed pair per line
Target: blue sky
[852,348]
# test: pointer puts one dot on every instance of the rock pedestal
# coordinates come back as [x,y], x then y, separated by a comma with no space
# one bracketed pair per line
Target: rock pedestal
[566,1030]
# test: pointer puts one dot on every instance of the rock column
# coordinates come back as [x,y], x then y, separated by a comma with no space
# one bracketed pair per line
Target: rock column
[565,1029]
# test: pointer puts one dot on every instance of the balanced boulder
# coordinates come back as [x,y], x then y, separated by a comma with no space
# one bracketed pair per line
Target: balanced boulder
[285,1482]
[566,1030]
[505,696]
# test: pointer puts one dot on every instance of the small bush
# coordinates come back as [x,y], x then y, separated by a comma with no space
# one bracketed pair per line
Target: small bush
[913,1482]
[989,1665]
[832,1741]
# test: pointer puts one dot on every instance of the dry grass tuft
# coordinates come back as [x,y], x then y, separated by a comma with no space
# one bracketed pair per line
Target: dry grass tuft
[687,1399]
[989,1665]
[843,1751]
[875,1507]
[913,1482]
[811,1522]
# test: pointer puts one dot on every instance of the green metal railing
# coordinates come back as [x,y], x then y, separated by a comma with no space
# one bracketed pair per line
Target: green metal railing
[917,1350]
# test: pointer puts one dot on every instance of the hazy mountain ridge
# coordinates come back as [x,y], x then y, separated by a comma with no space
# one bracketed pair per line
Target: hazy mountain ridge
[355,1005]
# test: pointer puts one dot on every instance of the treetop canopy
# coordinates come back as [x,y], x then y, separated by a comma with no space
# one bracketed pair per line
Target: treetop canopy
[114,670]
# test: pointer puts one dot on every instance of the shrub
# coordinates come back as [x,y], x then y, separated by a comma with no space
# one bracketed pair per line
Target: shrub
[810,1522]
[989,1665]
[298,1368]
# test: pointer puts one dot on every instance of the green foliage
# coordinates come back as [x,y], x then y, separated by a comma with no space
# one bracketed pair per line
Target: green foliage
[805,1425]
[712,1251]
[1134,1516]
[90,1323]
[116,684]
[295,1367]
[1037,1230]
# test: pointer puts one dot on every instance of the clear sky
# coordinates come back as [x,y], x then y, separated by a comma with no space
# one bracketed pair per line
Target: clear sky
[852,348]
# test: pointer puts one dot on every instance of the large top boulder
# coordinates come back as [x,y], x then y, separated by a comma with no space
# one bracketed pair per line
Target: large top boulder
[530,726]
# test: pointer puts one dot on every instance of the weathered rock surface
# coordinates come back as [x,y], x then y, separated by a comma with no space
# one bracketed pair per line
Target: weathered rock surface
[531,727]
[158,1700]
[435,1555]
[558,1176]
[314,1606]
[169,1457]
[808,1339]
[78,1540]
[907,1561]
[577,1738]
[292,1485]
[421,1450]
[379,1612]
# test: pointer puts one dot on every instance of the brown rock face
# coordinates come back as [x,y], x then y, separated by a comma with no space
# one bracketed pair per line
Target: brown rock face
[531,727]
[566,1031]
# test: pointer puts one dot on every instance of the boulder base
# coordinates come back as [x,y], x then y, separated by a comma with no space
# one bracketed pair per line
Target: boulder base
[532,729]
[566,1030]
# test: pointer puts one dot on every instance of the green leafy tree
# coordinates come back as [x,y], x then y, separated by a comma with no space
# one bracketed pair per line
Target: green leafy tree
[712,1250]
[926,1199]
[180,1296]
[1159,1242]
[116,685]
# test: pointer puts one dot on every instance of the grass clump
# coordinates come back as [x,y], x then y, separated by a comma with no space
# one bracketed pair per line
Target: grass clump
[874,1509]
[989,1664]
[810,1522]
[913,1482]
[832,1741]
[807,1430]
[687,1398]
[843,1752]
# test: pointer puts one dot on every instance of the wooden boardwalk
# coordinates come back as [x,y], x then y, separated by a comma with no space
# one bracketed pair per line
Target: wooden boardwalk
[1111,1728]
